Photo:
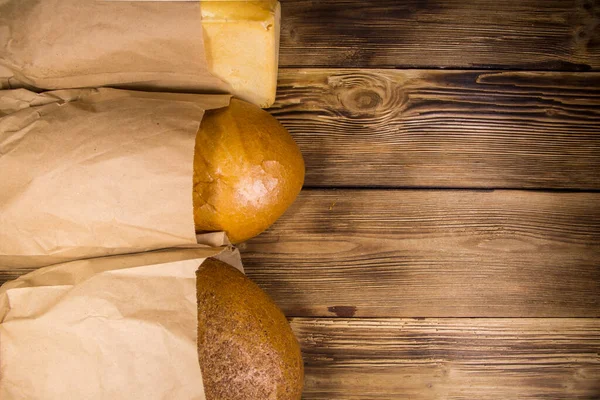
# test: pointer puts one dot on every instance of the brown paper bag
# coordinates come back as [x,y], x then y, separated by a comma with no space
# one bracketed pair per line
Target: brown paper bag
[169,45]
[120,327]
[55,44]
[7,79]
[94,172]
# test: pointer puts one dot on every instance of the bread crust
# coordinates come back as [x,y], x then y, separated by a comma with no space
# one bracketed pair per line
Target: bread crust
[247,171]
[246,347]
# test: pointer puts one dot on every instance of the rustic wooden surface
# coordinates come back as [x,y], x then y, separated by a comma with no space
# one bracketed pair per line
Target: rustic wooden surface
[507,34]
[450,358]
[432,253]
[427,128]
[395,104]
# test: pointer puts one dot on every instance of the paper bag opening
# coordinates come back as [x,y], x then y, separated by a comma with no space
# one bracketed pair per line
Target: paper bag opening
[96,172]
[122,327]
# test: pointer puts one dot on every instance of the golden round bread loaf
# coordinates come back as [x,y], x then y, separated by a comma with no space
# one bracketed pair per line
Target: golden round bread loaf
[246,347]
[247,171]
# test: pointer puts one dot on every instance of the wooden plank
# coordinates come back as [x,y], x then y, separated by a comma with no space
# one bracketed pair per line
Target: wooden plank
[430,253]
[424,128]
[509,34]
[450,358]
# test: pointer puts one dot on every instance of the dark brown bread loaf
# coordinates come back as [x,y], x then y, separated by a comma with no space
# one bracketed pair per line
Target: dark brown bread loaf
[246,347]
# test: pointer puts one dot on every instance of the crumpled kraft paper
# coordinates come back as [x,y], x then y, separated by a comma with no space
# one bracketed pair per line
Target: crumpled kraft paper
[55,44]
[119,327]
[7,79]
[94,172]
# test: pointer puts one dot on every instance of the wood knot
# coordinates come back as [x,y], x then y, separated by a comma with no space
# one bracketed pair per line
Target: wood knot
[366,100]
[586,32]
[362,102]
[290,32]
[368,96]
[588,6]
[293,34]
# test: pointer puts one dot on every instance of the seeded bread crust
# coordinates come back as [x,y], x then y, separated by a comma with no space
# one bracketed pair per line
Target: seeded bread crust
[246,348]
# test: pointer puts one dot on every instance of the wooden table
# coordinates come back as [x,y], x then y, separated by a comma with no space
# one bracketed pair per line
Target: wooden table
[447,242]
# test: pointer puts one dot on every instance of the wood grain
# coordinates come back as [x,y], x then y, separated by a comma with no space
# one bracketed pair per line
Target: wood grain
[424,128]
[431,253]
[450,358]
[508,34]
